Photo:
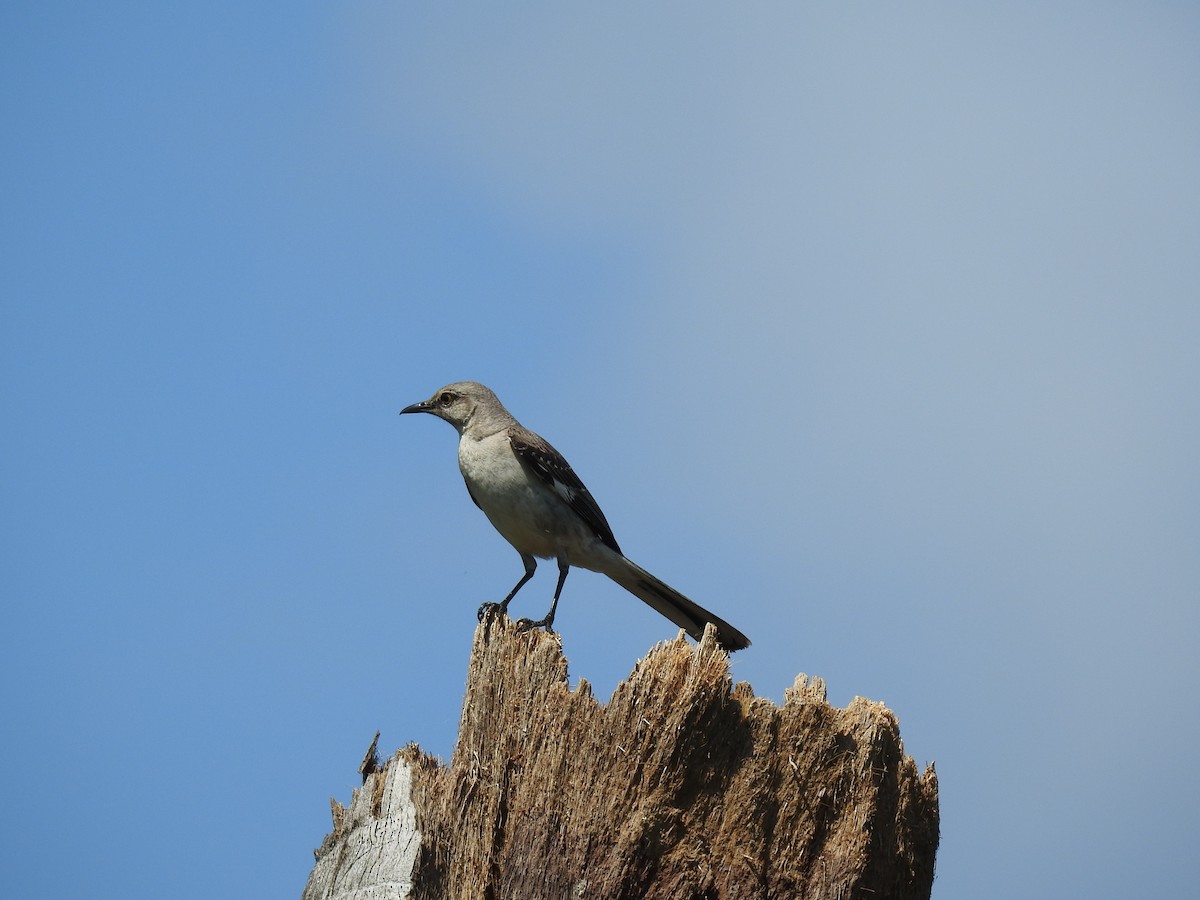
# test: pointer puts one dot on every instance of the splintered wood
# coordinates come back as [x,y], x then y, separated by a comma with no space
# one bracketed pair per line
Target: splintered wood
[681,786]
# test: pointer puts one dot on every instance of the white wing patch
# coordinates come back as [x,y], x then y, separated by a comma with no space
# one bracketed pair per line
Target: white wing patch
[565,491]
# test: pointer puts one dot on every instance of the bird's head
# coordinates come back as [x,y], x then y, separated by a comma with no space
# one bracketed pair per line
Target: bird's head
[457,403]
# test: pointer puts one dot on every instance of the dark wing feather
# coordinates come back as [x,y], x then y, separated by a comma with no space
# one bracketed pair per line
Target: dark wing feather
[548,465]
[470,492]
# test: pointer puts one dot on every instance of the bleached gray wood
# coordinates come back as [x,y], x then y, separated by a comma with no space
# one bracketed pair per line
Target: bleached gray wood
[371,853]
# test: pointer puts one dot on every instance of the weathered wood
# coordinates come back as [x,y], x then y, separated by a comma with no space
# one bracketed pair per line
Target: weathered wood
[682,786]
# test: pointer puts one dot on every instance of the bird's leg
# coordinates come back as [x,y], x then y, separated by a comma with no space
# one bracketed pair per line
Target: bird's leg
[488,609]
[526,624]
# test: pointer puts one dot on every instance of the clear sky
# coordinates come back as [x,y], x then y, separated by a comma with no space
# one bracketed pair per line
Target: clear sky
[874,327]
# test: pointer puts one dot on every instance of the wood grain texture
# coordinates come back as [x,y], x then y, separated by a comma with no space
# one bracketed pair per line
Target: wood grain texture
[682,786]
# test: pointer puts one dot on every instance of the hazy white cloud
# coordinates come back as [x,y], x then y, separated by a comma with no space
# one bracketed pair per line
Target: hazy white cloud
[918,310]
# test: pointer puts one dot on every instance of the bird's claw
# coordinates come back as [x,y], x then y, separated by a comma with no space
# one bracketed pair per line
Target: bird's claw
[529,625]
[488,610]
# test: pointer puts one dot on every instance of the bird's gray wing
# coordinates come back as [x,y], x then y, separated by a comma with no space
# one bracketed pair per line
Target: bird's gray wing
[548,464]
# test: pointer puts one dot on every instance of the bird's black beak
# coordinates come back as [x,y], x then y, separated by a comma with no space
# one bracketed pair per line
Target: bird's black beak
[423,406]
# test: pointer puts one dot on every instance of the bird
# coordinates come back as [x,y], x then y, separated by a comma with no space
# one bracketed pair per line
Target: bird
[533,497]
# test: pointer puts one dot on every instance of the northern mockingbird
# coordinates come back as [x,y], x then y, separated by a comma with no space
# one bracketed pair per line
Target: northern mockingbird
[538,504]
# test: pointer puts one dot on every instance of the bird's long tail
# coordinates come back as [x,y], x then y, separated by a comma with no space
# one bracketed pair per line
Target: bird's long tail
[687,614]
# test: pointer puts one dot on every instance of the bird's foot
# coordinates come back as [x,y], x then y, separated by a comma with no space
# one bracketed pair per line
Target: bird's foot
[529,624]
[490,610]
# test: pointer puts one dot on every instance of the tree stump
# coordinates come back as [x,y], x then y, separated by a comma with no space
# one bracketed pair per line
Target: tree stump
[682,786]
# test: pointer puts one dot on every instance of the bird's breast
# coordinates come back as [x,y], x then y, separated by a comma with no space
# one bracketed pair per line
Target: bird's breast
[513,501]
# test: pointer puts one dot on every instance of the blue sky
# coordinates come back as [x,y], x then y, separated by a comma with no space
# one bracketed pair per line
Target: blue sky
[872,328]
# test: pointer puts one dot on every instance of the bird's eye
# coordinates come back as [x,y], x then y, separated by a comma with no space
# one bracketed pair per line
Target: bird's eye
[445,398]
